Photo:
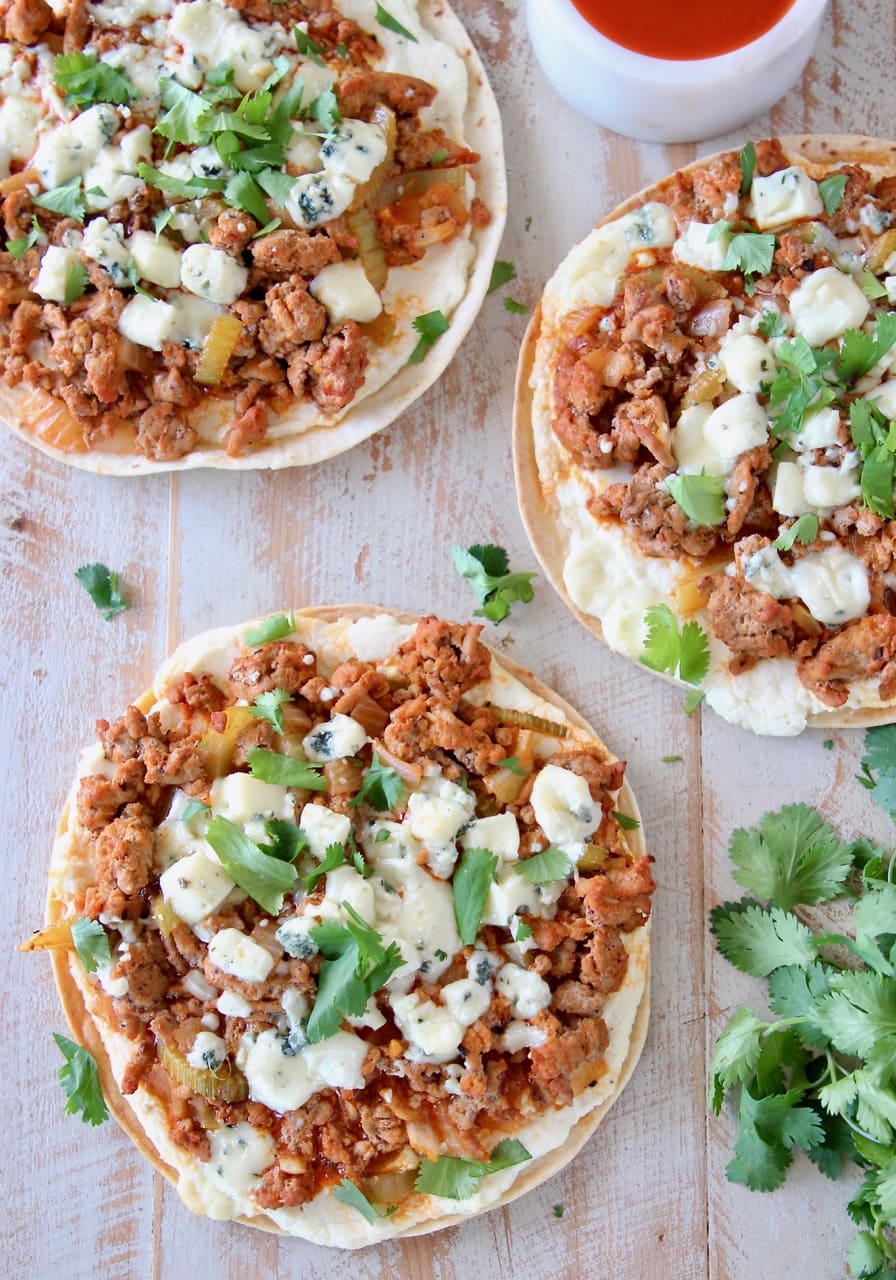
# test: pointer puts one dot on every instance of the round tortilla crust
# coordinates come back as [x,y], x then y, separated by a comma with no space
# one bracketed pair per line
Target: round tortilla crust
[21,405]
[70,984]
[816,152]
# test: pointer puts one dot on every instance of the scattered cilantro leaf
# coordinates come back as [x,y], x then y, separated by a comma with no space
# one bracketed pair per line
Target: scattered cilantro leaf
[457,1179]
[286,840]
[160,220]
[193,809]
[307,47]
[757,940]
[91,943]
[430,327]
[381,787]
[831,191]
[438,157]
[683,652]
[747,166]
[502,273]
[470,884]
[627,823]
[277,185]
[542,868]
[692,700]
[75,283]
[356,965]
[67,199]
[487,570]
[185,188]
[671,759]
[750,252]
[334,856]
[559,1210]
[266,880]
[860,351]
[277,627]
[828,744]
[523,932]
[81,1082]
[871,286]
[385,19]
[515,308]
[20,246]
[382,836]
[269,706]
[803,530]
[84,80]
[701,497]
[325,110]
[348,1193]
[512,763]
[772,324]
[792,857]
[284,771]
[181,121]
[101,584]
[243,192]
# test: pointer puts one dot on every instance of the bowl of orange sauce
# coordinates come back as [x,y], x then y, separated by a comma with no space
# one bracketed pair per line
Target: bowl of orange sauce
[673,70]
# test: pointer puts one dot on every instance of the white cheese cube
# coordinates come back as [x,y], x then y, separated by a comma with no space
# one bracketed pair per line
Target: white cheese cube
[499,834]
[195,886]
[334,739]
[108,179]
[233,1005]
[832,584]
[319,197]
[212,274]
[18,126]
[193,319]
[695,249]
[208,1053]
[240,1155]
[766,571]
[322,827]
[818,430]
[431,1031]
[828,487]
[748,362]
[69,149]
[692,451]
[785,196]
[345,291]
[157,260]
[294,937]
[563,805]
[149,322]
[509,895]
[337,1061]
[236,953]
[54,268]
[372,639]
[522,1035]
[788,496]
[736,426]
[277,1076]
[103,242]
[240,797]
[354,149]
[527,992]
[136,147]
[346,885]
[436,814]
[304,153]
[825,304]
[466,1000]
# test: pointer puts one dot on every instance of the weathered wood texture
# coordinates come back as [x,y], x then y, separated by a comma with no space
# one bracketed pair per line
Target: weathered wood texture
[646,1199]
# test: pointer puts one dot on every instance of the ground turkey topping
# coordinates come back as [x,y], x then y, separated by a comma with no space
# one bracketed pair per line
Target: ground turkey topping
[406,773]
[724,405]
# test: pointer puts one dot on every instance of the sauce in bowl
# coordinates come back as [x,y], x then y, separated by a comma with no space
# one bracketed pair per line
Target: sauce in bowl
[682,30]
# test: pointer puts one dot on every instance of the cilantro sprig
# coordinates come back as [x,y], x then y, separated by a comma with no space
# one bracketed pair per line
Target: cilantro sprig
[284,771]
[269,706]
[682,652]
[430,328]
[91,943]
[85,80]
[385,19]
[80,1080]
[820,1073]
[355,965]
[381,787]
[101,584]
[469,886]
[701,497]
[266,879]
[487,570]
[750,252]
[455,1178]
[276,627]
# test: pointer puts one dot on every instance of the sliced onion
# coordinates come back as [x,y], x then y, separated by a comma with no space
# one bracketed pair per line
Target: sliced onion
[227,1084]
[56,936]
[217,350]
[343,777]
[528,720]
[416,183]
[18,180]
[217,747]
[52,421]
[412,774]
[712,320]
[363,227]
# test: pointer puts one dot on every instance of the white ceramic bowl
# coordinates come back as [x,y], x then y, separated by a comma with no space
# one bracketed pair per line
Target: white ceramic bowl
[659,100]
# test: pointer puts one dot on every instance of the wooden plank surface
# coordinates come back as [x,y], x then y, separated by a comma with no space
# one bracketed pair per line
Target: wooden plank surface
[647,1197]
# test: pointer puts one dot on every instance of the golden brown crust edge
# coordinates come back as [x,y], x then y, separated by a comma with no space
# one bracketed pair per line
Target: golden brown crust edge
[815,152]
[81,1023]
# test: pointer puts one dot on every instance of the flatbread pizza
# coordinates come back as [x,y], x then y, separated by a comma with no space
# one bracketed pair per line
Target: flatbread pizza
[704,431]
[377,910]
[238,233]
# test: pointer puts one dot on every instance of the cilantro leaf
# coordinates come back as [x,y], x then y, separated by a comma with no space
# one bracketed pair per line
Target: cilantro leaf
[385,19]
[772,324]
[307,47]
[243,192]
[356,965]
[193,809]
[67,199]
[325,110]
[793,993]
[457,1179]
[859,1012]
[84,80]
[747,166]
[269,706]
[803,530]
[758,940]
[430,327]
[860,352]
[543,868]
[20,246]
[767,1130]
[381,787]
[348,1193]
[276,627]
[627,823]
[513,765]
[102,587]
[284,771]
[684,652]
[879,765]
[267,880]
[487,570]
[186,188]
[750,252]
[81,1082]
[287,840]
[75,283]
[502,273]
[737,1052]
[701,497]
[831,191]
[792,857]
[469,887]
[91,943]
[185,110]
[277,185]
[334,856]
[515,308]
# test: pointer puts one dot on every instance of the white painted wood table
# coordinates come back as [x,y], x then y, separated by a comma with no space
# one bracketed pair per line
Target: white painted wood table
[647,1197]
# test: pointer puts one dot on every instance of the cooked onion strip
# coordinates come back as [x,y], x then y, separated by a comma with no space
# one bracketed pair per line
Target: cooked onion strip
[528,720]
[217,747]
[412,774]
[56,936]
[227,1084]
[18,180]
[343,777]
[52,421]
[362,225]
[368,191]
[416,183]
[217,350]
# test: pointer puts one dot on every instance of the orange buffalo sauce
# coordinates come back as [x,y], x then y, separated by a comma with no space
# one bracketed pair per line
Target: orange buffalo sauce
[682,30]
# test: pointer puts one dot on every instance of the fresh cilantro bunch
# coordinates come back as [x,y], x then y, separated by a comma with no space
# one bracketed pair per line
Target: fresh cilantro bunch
[487,570]
[820,1073]
[878,766]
